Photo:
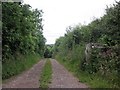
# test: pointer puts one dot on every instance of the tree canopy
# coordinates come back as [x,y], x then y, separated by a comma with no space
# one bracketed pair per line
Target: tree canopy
[22,30]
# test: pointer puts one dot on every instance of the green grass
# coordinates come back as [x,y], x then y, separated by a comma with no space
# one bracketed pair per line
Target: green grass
[46,75]
[16,66]
[93,81]
[72,61]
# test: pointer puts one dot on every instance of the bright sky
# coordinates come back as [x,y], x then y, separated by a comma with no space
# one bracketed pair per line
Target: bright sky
[59,14]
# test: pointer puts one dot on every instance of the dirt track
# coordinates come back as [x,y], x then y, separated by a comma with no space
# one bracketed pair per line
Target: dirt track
[28,79]
[61,78]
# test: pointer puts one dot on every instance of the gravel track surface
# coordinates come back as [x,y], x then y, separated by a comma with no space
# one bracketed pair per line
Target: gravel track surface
[61,78]
[28,79]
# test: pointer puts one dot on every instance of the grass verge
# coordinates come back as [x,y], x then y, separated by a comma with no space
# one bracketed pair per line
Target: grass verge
[15,66]
[93,81]
[46,75]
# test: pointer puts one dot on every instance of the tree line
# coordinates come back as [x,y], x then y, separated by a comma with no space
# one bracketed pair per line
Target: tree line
[106,31]
[22,35]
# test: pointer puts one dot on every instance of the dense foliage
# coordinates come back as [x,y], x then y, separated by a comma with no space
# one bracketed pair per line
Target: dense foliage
[21,34]
[105,31]
[48,51]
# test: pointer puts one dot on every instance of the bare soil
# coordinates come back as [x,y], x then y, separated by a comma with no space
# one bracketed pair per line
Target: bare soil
[61,78]
[28,79]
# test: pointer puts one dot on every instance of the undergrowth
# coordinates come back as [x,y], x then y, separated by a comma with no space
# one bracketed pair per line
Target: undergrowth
[92,80]
[15,66]
[73,61]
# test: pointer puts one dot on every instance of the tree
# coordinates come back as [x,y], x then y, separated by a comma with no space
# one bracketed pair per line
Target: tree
[22,30]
